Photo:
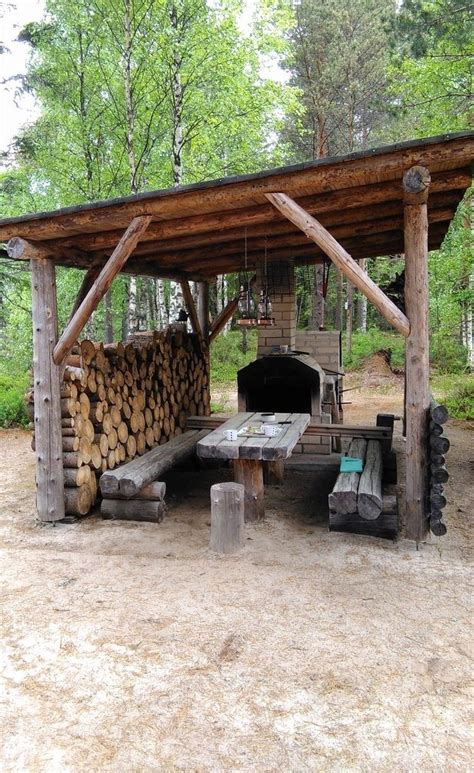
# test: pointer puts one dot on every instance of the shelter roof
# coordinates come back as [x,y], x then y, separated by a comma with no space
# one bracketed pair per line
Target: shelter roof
[199,230]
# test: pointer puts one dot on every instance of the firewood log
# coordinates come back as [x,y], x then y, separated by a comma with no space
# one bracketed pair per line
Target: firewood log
[70,443]
[96,457]
[78,500]
[72,459]
[77,476]
[134,510]
[87,351]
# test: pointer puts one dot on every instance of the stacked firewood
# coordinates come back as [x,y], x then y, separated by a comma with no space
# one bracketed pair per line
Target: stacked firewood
[438,474]
[120,400]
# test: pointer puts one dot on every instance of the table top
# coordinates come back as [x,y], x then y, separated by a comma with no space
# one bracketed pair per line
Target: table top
[216,445]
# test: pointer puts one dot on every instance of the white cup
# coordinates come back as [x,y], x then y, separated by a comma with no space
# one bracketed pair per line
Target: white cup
[230,434]
[268,417]
[283,348]
[270,430]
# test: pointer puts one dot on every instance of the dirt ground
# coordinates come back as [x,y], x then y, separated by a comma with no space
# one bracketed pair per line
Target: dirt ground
[130,647]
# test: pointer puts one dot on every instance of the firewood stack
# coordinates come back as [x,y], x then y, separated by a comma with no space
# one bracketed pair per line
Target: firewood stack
[119,400]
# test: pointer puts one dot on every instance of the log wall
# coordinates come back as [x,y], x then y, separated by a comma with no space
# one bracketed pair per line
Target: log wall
[120,400]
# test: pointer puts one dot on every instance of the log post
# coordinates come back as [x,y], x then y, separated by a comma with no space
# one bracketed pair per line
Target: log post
[227,517]
[250,473]
[274,472]
[417,393]
[48,438]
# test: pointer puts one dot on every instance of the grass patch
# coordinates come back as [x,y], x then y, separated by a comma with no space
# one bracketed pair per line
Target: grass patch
[12,401]
[228,355]
[456,392]
[365,344]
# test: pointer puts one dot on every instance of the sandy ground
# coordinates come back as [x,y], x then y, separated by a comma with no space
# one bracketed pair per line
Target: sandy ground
[130,647]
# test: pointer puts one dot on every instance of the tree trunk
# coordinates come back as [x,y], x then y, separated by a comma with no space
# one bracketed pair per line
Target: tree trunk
[48,438]
[362,304]
[349,316]
[109,329]
[317,316]
[339,321]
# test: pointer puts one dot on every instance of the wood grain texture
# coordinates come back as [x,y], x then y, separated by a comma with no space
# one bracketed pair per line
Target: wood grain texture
[47,406]
[216,446]
[114,264]
[369,494]
[341,258]
[132,510]
[227,517]
[343,497]
[417,366]
[130,478]
[249,472]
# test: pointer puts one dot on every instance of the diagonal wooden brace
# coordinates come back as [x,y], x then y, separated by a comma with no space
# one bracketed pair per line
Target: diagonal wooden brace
[345,262]
[123,250]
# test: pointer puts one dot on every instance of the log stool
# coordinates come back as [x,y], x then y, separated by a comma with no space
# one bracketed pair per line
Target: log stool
[227,517]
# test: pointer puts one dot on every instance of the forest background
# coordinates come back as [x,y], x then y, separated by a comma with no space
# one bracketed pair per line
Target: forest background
[143,94]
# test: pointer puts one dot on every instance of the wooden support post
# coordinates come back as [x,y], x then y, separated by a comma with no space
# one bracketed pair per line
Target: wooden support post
[48,438]
[191,307]
[203,308]
[227,517]
[250,473]
[345,262]
[274,472]
[115,263]
[89,278]
[417,396]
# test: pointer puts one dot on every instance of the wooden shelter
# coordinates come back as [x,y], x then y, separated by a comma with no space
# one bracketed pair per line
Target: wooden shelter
[390,200]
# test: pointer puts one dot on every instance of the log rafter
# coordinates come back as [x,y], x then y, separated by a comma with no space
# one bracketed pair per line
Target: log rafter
[341,258]
[98,289]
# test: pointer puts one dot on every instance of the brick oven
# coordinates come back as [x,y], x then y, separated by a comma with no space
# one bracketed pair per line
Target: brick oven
[297,380]
[285,383]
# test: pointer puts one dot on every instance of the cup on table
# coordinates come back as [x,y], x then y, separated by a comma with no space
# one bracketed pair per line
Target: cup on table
[270,430]
[268,417]
[230,434]
[283,348]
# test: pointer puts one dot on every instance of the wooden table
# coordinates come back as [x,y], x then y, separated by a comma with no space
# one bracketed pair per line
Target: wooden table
[249,454]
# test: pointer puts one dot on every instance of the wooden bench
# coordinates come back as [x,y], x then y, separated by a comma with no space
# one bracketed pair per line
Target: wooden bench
[356,503]
[133,491]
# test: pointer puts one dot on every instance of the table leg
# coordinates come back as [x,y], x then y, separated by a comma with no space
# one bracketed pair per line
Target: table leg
[274,472]
[250,473]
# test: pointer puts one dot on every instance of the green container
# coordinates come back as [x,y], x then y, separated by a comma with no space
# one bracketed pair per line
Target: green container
[351,464]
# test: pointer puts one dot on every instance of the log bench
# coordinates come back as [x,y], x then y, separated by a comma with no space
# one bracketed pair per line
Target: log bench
[133,491]
[356,503]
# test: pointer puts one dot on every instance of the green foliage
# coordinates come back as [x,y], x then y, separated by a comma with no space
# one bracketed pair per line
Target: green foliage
[227,356]
[431,66]
[447,355]
[337,60]
[12,402]
[457,394]
[365,344]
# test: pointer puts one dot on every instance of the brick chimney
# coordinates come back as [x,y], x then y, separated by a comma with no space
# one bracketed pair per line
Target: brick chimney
[281,290]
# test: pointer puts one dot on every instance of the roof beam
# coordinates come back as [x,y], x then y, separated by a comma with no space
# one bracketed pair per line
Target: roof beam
[338,201]
[362,219]
[124,248]
[318,177]
[387,243]
[345,262]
